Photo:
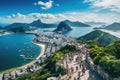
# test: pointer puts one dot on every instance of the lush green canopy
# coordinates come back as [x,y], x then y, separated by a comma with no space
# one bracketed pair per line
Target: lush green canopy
[108,57]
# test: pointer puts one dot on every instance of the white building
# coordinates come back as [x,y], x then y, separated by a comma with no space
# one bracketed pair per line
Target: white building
[1,76]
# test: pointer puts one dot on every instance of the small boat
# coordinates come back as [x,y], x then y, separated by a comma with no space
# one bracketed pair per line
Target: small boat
[22,55]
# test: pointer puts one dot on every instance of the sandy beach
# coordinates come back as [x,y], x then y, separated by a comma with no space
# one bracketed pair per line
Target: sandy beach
[42,46]
[40,54]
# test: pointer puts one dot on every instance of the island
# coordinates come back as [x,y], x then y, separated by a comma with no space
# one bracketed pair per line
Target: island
[62,27]
[113,27]
[76,23]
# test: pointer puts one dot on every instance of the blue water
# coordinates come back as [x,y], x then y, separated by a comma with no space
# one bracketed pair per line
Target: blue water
[13,47]
[75,32]
[79,31]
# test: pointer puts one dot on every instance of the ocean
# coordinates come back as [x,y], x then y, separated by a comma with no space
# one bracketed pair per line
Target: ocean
[14,48]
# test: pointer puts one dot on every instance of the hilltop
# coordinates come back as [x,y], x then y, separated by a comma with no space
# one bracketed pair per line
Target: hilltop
[99,36]
[63,27]
[40,24]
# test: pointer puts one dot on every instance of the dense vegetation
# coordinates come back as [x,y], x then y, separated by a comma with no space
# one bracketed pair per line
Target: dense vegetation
[49,70]
[20,29]
[107,57]
[101,37]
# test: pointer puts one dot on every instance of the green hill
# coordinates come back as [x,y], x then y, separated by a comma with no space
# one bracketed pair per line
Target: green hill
[107,57]
[50,69]
[20,29]
[101,37]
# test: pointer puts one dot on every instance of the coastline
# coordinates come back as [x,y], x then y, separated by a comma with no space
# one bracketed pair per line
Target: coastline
[5,34]
[40,54]
[42,46]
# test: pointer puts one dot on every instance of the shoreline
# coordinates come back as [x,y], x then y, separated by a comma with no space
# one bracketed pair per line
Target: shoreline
[42,46]
[40,54]
[5,34]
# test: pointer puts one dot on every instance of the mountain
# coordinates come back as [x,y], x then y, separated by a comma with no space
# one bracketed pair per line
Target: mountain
[115,26]
[25,26]
[95,23]
[63,27]
[99,36]
[76,24]
[15,25]
[20,29]
[39,24]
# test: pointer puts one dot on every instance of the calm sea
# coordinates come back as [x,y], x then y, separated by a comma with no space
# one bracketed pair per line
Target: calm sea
[15,48]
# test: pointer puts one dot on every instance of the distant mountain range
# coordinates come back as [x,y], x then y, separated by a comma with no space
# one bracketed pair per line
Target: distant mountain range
[114,27]
[76,24]
[39,24]
[63,27]
[21,29]
[15,25]
[99,36]
[95,23]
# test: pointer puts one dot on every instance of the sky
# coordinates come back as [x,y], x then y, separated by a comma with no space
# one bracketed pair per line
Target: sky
[50,11]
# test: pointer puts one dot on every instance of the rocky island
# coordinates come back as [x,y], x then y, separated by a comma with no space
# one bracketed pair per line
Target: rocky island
[63,27]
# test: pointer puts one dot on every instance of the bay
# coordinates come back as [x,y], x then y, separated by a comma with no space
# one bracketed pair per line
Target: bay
[14,48]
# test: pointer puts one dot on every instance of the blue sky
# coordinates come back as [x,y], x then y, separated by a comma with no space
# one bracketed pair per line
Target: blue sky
[9,7]
[50,11]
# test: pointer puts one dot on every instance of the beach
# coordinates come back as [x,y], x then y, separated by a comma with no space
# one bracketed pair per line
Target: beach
[40,54]
[43,46]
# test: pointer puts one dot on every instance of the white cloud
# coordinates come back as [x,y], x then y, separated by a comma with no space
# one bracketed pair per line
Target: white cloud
[47,18]
[51,18]
[112,5]
[94,17]
[45,5]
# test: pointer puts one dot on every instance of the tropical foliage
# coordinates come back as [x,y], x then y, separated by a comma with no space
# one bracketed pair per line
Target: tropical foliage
[108,57]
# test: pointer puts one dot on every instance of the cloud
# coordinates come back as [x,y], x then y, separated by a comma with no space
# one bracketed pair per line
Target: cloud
[111,5]
[93,17]
[52,18]
[47,18]
[45,5]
